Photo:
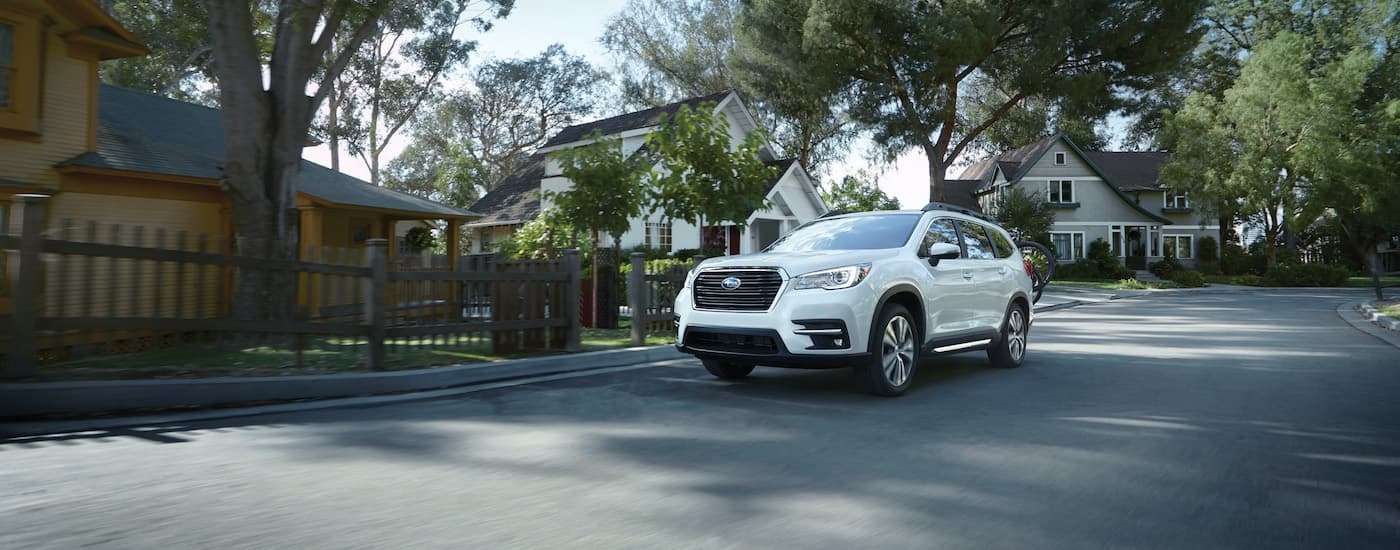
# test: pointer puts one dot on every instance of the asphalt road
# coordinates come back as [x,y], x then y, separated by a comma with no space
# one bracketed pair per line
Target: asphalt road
[1251,420]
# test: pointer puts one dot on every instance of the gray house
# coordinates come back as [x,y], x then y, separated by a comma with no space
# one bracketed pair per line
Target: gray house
[1114,196]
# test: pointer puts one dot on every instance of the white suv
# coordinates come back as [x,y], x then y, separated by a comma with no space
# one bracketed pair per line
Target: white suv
[873,291]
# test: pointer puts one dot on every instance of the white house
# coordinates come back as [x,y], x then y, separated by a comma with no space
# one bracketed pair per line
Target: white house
[792,195]
[1114,196]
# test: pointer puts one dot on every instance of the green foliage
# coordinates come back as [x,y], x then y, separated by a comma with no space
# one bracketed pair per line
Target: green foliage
[668,50]
[467,142]
[650,252]
[1237,261]
[1295,274]
[1099,265]
[606,191]
[1251,280]
[546,236]
[1165,268]
[703,179]
[420,238]
[180,64]
[1208,267]
[400,68]
[1024,215]
[688,253]
[1207,249]
[858,193]
[935,75]
[1188,278]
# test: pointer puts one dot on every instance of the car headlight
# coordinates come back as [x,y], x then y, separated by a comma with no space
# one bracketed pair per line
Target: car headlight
[690,278]
[832,279]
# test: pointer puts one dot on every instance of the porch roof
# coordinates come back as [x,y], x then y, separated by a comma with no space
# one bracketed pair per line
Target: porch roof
[148,134]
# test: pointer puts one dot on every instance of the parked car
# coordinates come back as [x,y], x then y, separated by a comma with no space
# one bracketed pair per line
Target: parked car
[875,291]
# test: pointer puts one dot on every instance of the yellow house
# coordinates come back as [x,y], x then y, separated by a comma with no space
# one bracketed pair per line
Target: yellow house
[116,156]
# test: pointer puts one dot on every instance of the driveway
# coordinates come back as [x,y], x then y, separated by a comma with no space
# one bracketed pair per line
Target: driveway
[1232,420]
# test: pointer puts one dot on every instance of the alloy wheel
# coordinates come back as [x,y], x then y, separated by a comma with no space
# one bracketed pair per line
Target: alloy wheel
[897,350]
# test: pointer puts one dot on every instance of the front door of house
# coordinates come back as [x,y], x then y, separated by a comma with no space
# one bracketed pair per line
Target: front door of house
[1135,255]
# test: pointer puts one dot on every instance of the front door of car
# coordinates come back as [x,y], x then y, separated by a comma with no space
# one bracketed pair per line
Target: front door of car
[946,294]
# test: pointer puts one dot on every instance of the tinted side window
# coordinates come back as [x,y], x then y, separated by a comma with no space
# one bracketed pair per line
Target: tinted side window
[1004,244]
[940,231]
[976,242]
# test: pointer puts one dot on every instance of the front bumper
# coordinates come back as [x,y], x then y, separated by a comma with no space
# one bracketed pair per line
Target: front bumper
[805,329]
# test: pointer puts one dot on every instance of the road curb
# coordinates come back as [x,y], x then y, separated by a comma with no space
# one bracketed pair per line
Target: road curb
[28,400]
[1354,313]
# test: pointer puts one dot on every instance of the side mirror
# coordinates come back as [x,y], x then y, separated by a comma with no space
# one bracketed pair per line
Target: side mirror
[942,251]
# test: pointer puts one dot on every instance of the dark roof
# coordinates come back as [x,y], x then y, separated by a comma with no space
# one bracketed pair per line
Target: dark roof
[1014,163]
[516,199]
[962,193]
[1130,170]
[144,132]
[982,170]
[782,165]
[629,121]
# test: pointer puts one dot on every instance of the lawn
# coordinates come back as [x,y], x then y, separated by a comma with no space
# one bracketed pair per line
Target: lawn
[1254,280]
[325,357]
[1390,309]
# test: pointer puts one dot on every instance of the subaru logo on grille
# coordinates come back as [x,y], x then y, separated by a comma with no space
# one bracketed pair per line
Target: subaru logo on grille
[731,283]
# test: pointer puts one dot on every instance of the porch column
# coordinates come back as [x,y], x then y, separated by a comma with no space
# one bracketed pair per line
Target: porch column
[454,243]
[388,232]
[309,243]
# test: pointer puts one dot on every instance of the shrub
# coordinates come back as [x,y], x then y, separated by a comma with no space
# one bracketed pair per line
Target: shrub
[688,253]
[1239,262]
[1165,268]
[1250,280]
[1133,284]
[1294,274]
[1207,249]
[1189,279]
[1208,268]
[624,272]
[651,253]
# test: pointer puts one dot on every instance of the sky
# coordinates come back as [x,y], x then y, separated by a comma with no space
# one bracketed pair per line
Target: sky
[577,24]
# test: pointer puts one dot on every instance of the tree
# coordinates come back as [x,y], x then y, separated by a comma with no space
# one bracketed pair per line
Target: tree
[181,62]
[1027,217]
[702,177]
[906,66]
[857,193]
[401,67]
[607,187]
[669,50]
[469,141]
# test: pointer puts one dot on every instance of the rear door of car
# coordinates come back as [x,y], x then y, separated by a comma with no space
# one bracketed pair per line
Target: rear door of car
[987,275]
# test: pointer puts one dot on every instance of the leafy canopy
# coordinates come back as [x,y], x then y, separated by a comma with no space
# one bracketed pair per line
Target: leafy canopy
[703,178]
[858,193]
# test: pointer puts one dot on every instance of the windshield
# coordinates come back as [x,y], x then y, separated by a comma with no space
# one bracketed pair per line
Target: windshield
[852,233]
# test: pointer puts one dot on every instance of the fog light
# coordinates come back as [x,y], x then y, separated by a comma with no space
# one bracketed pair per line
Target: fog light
[840,342]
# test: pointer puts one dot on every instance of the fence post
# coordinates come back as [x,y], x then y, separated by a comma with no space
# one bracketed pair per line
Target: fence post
[24,305]
[378,261]
[637,298]
[573,290]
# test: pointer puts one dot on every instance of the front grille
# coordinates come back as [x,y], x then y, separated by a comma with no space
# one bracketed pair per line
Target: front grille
[753,344]
[757,289]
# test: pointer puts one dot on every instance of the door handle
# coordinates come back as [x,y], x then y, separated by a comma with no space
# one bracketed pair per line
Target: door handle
[967,274]
[1001,270]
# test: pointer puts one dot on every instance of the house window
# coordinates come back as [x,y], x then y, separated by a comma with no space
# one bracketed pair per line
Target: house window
[486,245]
[1069,245]
[19,71]
[7,63]
[1060,192]
[658,236]
[1177,245]
[1174,200]
[1059,159]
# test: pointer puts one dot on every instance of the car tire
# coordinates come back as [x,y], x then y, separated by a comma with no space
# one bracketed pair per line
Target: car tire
[726,370]
[895,341]
[1010,352]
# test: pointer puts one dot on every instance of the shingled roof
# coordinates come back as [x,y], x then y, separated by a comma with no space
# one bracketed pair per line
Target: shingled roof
[515,199]
[1131,170]
[143,132]
[629,121]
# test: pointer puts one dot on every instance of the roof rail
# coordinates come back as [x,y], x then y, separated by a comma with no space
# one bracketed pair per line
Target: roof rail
[959,209]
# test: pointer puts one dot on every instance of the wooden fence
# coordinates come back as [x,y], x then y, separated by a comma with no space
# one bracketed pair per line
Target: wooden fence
[652,296]
[109,290]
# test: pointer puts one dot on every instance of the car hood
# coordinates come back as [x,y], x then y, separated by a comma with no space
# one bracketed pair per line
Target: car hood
[798,263]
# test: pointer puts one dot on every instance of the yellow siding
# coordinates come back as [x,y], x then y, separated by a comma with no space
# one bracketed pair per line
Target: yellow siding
[113,282]
[64,120]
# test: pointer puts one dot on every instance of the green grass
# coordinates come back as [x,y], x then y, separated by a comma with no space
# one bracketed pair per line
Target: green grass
[326,356]
[1392,310]
[1365,282]
[1125,284]
[1352,282]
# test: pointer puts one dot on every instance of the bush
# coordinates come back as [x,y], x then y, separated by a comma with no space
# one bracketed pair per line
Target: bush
[1250,280]
[1099,265]
[688,253]
[1208,267]
[1239,262]
[1189,279]
[1294,274]
[1165,268]
[624,272]
[1207,249]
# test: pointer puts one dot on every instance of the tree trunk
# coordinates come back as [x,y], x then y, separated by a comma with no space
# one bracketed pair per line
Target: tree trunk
[1224,233]
[936,174]
[333,120]
[1373,260]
